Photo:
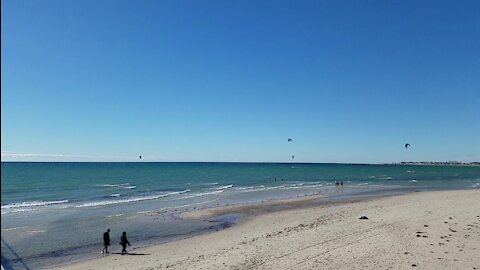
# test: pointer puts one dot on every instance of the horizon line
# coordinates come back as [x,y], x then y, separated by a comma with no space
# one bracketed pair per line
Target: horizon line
[265,162]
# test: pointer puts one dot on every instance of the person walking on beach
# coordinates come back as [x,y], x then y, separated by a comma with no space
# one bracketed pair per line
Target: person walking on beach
[124,242]
[106,241]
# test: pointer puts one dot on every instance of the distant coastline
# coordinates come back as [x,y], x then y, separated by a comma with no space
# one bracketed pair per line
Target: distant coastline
[438,163]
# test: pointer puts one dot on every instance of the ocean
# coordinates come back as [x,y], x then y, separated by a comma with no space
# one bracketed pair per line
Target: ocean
[55,213]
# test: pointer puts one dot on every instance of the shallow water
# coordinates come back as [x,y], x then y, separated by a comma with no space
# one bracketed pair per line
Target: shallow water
[54,213]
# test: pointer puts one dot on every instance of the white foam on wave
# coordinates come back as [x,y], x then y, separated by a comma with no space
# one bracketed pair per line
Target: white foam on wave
[32,204]
[413,181]
[224,187]
[13,228]
[145,212]
[17,210]
[409,171]
[283,187]
[476,185]
[116,185]
[39,231]
[293,187]
[362,184]
[129,187]
[303,185]
[132,199]
[202,194]
[115,195]
[386,178]
[250,188]
[244,188]
[211,184]
[274,187]
[116,215]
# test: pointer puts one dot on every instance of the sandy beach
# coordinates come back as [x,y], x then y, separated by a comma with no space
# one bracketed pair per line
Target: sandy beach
[424,230]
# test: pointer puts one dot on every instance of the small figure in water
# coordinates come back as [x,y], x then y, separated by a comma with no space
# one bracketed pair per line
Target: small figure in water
[336,183]
[341,183]
[124,242]
[106,241]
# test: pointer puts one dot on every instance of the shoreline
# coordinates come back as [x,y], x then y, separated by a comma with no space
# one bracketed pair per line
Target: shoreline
[157,229]
[230,215]
[249,210]
[268,218]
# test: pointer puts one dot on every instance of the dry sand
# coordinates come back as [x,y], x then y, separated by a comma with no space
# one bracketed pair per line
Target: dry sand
[422,230]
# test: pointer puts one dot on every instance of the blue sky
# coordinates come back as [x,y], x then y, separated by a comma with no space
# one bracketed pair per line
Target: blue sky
[348,81]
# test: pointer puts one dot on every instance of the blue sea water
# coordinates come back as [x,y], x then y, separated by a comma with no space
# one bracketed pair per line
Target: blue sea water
[54,213]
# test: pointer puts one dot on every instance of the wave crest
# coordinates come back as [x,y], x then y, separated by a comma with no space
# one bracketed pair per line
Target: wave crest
[32,204]
[132,199]
[224,187]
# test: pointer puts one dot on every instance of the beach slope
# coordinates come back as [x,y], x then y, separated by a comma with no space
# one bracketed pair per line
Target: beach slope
[424,230]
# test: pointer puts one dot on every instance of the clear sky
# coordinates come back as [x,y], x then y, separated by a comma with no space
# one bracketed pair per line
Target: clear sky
[348,81]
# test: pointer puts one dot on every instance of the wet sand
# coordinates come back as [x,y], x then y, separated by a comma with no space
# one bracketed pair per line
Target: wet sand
[421,230]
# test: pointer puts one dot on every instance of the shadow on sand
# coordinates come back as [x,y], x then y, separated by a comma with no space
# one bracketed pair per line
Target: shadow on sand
[132,254]
[5,264]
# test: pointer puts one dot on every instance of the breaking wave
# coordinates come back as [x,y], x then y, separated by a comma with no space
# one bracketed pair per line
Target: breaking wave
[32,204]
[223,187]
[132,199]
